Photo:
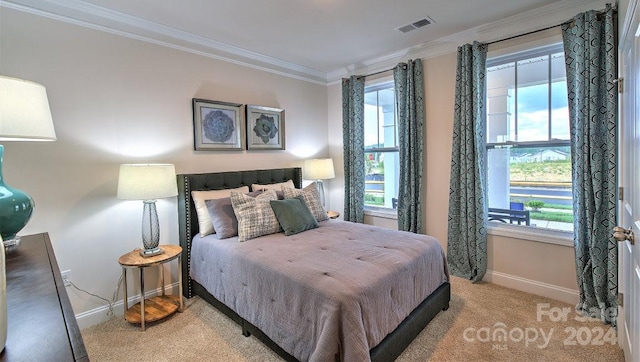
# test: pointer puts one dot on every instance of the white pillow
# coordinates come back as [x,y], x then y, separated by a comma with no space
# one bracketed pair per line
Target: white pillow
[275,187]
[205,226]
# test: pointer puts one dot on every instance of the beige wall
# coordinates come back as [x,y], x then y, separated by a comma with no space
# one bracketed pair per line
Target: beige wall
[510,259]
[522,264]
[439,83]
[119,100]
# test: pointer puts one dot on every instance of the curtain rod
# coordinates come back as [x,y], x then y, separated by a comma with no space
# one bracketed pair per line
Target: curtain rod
[615,9]
[527,33]
[570,21]
[376,73]
[492,42]
[384,71]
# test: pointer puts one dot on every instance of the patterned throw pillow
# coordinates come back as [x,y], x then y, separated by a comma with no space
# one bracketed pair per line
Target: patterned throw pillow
[311,197]
[255,215]
[222,216]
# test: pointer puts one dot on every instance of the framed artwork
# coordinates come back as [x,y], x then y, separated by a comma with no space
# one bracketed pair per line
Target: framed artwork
[265,128]
[217,125]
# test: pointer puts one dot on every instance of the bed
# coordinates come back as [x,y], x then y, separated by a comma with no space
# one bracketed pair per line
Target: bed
[326,328]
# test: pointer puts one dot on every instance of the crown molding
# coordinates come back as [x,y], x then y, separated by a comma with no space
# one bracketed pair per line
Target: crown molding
[532,20]
[95,17]
[98,18]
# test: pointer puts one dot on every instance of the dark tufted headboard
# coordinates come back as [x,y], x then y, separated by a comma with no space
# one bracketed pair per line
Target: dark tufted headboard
[187,218]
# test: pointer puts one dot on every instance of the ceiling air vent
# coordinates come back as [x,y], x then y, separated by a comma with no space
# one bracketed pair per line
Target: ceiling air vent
[415,25]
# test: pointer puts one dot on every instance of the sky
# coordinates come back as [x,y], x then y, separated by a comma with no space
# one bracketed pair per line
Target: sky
[532,101]
[533,116]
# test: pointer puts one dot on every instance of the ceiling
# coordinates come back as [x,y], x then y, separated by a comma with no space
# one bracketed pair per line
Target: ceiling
[317,40]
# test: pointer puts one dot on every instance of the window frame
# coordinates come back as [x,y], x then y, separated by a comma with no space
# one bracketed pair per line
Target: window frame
[378,85]
[515,58]
[529,233]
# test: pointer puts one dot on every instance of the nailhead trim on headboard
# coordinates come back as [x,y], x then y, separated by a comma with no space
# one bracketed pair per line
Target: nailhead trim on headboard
[187,233]
[216,181]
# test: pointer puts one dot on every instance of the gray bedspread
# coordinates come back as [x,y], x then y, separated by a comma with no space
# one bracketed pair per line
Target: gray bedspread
[326,294]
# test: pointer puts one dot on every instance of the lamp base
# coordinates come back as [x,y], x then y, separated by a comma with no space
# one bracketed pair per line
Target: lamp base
[16,208]
[320,185]
[11,243]
[145,253]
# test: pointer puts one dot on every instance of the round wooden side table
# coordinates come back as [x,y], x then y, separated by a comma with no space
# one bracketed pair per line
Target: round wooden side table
[158,307]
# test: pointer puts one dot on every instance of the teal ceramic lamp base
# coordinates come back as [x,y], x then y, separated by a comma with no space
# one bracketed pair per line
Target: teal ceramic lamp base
[16,208]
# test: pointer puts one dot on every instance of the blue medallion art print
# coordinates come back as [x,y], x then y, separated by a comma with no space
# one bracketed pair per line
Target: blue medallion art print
[218,127]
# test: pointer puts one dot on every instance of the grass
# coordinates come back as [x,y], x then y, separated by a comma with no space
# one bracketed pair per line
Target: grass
[558,207]
[552,216]
[549,171]
[373,200]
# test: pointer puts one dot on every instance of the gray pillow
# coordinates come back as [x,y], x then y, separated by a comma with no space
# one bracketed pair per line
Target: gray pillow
[293,215]
[223,217]
[205,227]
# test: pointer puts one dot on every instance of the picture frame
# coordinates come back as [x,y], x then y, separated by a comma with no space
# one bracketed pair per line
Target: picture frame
[265,128]
[218,126]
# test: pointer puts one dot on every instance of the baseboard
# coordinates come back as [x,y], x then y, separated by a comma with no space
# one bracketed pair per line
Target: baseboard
[100,314]
[563,294]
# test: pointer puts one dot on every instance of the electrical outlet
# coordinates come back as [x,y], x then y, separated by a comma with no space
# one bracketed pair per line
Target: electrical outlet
[66,277]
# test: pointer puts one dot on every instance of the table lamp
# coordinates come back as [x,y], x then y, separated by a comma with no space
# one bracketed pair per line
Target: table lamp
[319,169]
[24,116]
[148,182]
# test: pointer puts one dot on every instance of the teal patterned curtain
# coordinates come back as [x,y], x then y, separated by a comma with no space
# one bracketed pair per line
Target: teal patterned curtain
[467,232]
[409,87]
[353,137]
[590,54]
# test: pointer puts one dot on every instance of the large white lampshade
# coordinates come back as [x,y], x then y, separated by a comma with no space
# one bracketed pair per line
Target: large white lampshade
[24,111]
[148,182]
[319,169]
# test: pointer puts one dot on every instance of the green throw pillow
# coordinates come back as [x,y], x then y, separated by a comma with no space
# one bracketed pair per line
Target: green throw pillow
[293,215]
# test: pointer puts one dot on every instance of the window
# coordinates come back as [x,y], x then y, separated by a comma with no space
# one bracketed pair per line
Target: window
[381,157]
[528,149]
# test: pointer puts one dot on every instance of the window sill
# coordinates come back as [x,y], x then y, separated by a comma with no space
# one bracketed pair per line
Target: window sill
[528,233]
[381,212]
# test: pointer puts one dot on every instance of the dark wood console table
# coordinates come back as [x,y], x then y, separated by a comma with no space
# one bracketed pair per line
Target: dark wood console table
[41,323]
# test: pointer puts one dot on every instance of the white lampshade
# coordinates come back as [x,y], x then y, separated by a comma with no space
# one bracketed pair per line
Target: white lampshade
[147,181]
[24,111]
[318,169]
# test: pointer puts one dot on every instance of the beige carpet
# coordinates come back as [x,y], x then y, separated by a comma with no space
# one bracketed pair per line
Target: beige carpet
[465,332]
